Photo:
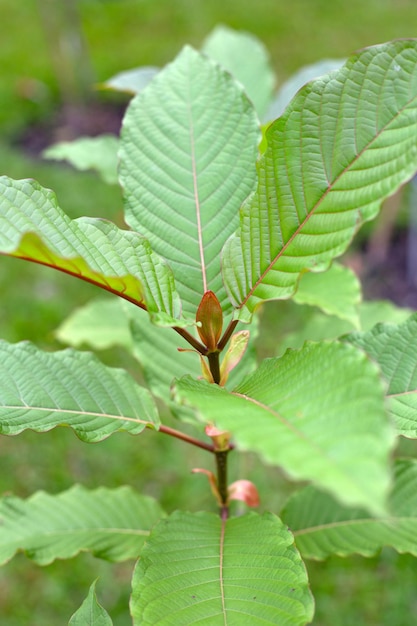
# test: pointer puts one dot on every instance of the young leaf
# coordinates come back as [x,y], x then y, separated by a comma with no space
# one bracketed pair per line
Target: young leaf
[211,571]
[346,142]
[111,523]
[337,292]
[247,59]
[89,153]
[41,390]
[299,412]
[91,613]
[33,227]
[323,527]
[187,162]
[394,348]
[234,354]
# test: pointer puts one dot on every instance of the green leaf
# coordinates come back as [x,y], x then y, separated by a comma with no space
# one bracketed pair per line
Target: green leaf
[287,90]
[89,153]
[322,527]
[34,228]
[246,58]
[100,324]
[91,613]
[317,412]
[187,162]
[41,390]
[346,142]
[394,348]
[197,569]
[132,81]
[337,292]
[112,524]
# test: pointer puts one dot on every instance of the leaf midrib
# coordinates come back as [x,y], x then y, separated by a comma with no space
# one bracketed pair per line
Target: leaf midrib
[103,285]
[347,523]
[26,408]
[196,196]
[221,568]
[75,530]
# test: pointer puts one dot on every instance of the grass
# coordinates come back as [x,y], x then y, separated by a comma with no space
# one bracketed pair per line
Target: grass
[126,33]
[34,300]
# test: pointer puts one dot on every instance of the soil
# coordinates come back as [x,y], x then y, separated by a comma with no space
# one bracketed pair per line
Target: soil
[70,122]
[392,277]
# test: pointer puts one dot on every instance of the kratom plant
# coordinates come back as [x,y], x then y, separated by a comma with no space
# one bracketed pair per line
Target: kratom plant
[222,220]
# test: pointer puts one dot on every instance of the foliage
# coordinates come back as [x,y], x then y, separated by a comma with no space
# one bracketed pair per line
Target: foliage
[217,229]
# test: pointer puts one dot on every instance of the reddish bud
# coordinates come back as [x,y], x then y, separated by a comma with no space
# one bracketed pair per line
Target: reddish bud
[220,438]
[210,318]
[245,491]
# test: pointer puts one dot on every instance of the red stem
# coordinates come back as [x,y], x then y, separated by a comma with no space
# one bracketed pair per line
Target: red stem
[227,334]
[179,435]
[191,340]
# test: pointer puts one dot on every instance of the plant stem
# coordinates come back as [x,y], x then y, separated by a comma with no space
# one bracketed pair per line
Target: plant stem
[227,334]
[213,359]
[191,340]
[179,435]
[221,462]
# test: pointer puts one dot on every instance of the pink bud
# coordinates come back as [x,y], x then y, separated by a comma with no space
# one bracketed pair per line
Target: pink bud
[245,491]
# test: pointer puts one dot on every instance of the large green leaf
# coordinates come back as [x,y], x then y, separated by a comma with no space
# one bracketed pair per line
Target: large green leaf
[41,390]
[33,227]
[323,527]
[111,523]
[394,348]
[86,153]
[246,58]
[346,142]
[197,569]
[337,292]
[318,412]
[187,162]
[91,613]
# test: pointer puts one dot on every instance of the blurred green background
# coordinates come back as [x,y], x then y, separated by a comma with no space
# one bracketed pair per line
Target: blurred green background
[42,85]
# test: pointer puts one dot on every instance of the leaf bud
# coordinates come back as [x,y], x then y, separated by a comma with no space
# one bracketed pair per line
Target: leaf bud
[245,491]
[210,318]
